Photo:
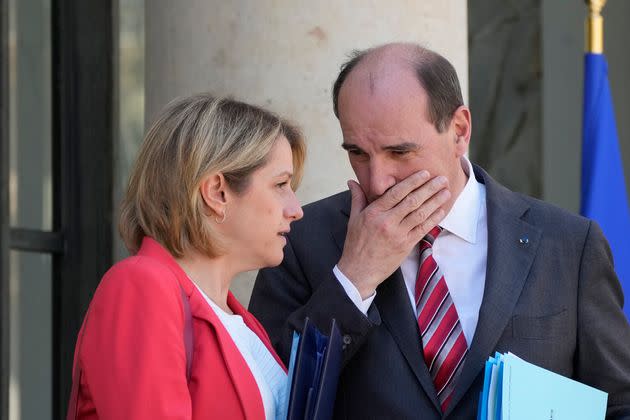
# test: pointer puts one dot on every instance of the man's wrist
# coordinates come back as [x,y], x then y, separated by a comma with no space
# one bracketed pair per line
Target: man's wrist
[366,293]
[361,301]
[353,277]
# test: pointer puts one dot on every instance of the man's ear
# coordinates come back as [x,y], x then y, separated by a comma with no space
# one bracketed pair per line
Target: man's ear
[461,124]
[213,190]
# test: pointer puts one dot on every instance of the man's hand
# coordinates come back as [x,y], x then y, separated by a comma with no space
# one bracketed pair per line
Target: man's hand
[381,234]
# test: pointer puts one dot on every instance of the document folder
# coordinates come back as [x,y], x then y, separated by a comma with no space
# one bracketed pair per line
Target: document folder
[314,373]
[514,389]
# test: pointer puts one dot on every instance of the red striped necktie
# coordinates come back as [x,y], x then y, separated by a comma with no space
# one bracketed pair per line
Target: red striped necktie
[443,339]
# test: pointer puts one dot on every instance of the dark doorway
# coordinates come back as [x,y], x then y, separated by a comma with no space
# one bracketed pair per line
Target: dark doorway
[56,148]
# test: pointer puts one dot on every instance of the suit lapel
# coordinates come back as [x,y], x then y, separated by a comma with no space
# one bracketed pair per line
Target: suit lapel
[341,228]
[512,246]
[392,302]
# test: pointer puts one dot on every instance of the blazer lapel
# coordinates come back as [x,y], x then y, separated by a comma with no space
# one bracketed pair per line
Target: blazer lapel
[255,326]
[512,246]
[242,378]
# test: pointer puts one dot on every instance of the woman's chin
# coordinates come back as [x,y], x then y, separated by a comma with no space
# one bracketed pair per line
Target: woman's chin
[275,259]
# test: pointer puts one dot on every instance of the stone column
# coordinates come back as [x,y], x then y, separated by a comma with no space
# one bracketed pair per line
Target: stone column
[285,55]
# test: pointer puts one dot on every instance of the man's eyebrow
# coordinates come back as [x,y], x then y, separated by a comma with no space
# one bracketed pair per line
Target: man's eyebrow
[402,147]
[349,146]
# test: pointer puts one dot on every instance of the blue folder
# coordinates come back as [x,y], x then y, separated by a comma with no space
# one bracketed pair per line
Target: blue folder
[519,390]
[314,373]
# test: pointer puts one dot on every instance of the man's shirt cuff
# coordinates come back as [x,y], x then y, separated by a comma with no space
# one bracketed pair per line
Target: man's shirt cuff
[353,292]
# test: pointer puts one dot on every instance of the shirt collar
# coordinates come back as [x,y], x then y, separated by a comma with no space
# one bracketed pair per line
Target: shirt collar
[462,219]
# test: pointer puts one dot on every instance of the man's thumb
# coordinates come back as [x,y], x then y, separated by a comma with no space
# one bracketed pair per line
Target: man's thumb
[358,198]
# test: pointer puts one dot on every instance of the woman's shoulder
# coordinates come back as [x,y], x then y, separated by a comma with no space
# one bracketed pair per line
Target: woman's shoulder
[140,277]
[141,265]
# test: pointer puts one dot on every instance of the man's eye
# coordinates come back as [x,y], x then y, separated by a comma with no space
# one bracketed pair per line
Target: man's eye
[355,152]
[400,152]
[282,184]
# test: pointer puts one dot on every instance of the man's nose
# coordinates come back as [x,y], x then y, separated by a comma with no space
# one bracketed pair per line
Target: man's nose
[381,179]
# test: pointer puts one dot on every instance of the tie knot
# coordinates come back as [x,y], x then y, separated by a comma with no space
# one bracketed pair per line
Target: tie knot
[432,235]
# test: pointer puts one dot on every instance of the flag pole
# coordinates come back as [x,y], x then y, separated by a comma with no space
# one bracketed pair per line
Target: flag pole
[595,27]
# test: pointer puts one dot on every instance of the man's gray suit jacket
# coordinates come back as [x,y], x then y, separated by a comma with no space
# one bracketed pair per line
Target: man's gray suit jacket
[551,297]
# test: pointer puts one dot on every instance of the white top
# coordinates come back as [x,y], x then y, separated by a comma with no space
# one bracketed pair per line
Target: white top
[269,375]
[461,251]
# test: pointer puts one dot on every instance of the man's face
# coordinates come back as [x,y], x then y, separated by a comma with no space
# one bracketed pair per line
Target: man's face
[387,132]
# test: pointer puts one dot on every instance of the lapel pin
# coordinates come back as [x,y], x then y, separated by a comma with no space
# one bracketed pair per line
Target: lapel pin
[524,240]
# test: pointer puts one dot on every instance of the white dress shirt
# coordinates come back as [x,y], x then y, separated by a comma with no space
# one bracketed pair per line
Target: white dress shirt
[461,251]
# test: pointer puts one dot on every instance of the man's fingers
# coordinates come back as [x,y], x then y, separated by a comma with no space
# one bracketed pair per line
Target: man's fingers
[358,199]
[398,192]
[420,230]
[422,215]
[417,199]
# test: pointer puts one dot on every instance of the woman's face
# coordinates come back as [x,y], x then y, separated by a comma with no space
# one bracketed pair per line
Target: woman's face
[259,218]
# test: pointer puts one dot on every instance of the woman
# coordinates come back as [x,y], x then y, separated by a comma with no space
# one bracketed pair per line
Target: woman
[211,196]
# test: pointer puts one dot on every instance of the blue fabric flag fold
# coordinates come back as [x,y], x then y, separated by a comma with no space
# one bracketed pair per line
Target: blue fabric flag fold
[604,195]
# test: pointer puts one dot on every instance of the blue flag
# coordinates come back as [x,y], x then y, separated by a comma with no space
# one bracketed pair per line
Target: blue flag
[604,194]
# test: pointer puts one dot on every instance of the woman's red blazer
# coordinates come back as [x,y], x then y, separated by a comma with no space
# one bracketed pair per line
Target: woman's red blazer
[132,354]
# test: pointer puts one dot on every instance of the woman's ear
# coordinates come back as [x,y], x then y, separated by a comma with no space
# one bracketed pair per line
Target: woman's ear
[213,192]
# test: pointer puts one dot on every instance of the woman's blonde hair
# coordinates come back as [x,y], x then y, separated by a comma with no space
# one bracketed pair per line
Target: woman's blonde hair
[192,137]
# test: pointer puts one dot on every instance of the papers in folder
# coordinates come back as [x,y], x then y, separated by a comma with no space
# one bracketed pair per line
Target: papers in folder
[314,369]
[516,390]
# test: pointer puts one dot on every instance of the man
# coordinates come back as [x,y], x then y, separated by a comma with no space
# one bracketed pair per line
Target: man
[502,272]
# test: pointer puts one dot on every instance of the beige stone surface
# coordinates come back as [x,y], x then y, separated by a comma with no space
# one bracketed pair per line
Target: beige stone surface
[285,55]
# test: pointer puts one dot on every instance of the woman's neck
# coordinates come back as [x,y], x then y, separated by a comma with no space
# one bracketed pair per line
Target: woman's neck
[212,275]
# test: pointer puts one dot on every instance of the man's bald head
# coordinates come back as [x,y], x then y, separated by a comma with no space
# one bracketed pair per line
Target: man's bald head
[435,75]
